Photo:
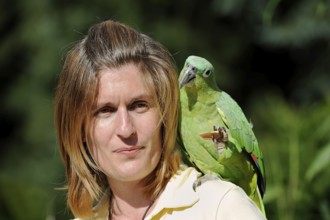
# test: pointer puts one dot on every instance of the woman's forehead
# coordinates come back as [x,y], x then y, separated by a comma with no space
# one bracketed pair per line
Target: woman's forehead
[129,79]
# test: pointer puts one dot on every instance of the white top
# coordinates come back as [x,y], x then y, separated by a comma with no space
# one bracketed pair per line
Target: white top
[213,199]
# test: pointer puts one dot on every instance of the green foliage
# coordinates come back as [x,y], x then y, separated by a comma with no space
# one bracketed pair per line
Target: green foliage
[307,21]
[295,143]
[319,164]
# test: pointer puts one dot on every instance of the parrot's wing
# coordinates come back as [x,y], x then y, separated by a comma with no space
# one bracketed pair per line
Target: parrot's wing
[234,118]
[242,134]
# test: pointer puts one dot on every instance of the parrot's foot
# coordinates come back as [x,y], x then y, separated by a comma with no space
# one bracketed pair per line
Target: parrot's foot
[203,179]
[219,138]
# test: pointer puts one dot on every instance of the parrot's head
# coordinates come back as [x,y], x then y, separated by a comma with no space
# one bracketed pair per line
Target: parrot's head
[197,72]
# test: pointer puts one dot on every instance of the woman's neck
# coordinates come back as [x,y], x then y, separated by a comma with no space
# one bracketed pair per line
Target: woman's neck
[128,201]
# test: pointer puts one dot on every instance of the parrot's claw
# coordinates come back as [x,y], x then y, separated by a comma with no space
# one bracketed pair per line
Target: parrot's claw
[221,136]
[203,179]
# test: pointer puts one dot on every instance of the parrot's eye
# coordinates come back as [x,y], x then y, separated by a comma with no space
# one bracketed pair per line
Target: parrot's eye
[207,73]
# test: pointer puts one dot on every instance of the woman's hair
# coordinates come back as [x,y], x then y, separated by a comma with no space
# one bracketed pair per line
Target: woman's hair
[111,44]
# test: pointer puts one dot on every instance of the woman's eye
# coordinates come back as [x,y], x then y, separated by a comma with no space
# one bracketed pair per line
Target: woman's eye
[105,110]
[140,106]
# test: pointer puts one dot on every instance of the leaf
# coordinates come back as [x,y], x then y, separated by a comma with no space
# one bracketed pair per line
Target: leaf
[320,162]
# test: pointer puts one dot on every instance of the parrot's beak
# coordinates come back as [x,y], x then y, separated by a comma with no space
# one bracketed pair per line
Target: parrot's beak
[188,76]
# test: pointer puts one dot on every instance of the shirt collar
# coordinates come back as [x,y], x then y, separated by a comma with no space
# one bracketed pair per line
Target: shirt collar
[179,191]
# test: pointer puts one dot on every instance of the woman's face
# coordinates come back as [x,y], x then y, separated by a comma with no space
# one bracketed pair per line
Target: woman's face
[126,132]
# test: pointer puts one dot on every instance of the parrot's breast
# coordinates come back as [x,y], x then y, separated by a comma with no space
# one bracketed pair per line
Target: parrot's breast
[198,119]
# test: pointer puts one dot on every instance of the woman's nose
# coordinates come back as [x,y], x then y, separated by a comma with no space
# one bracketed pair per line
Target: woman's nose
[125,124]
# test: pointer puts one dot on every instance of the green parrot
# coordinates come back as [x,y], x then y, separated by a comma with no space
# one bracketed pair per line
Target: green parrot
[214,134]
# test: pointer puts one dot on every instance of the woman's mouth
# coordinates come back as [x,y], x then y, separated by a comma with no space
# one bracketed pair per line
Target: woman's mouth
[130,151]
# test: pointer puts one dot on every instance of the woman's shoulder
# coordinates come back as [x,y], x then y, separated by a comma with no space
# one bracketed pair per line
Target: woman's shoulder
[207,182]
[189,195]
[227,198]
[210,182]
[219,189]
[205,186]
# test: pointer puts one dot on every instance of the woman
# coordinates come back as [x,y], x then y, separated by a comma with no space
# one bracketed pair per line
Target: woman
[116,118]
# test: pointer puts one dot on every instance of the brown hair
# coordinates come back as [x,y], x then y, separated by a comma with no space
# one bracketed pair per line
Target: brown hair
[110,44]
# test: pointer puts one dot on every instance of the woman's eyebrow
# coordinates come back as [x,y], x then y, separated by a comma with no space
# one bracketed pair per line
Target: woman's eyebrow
[144,96]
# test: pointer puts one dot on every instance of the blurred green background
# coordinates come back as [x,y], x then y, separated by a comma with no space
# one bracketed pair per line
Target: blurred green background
[273,57]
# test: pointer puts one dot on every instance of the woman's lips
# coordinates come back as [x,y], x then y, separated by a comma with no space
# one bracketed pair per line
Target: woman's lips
[128,150]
